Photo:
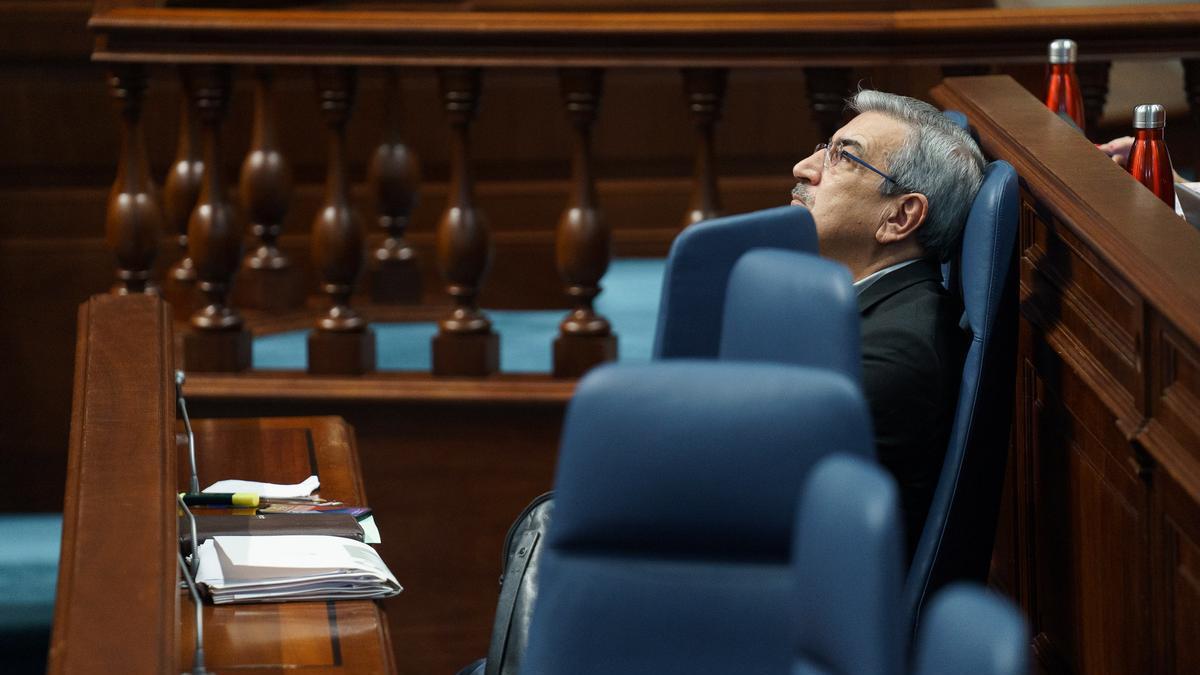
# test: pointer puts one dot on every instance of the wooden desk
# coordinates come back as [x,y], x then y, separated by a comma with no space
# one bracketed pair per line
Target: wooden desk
[119,608]
[346,637]
[1102,540]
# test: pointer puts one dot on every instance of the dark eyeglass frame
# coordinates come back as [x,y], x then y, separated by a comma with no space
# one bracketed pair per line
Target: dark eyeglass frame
[835,152]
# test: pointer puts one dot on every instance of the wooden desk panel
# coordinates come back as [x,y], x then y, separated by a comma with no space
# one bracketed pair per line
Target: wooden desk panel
[1106,469]
[334,637]
[119,607]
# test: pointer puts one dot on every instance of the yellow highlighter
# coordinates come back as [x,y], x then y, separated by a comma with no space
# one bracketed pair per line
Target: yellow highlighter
[221,499]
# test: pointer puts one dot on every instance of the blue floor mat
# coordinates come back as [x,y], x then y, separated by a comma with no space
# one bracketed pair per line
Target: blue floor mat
[29,544]
[630,301]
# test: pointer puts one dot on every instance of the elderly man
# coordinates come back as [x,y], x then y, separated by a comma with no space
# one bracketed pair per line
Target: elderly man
[890,193]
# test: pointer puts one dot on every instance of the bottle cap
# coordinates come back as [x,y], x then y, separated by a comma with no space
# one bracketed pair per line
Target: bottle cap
[1149,116]
[1063,51]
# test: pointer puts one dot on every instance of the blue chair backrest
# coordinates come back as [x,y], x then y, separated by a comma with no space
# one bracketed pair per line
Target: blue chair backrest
[968,629]
[789,307]
[848,564]
[697,272]
[676,492]
[957,540]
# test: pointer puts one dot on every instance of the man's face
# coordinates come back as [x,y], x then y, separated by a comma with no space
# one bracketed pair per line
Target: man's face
[844,199]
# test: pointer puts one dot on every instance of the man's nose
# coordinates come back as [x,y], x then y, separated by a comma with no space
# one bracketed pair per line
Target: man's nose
[809,168]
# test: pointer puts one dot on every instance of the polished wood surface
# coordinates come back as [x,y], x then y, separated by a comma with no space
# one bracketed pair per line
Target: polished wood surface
[117,596]
[1105,482]
[333,637]
[657,39]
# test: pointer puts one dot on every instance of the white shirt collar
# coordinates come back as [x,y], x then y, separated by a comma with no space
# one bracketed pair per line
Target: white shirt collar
[863,283]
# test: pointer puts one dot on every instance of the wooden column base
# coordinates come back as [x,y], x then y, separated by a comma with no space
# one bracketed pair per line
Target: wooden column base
[225,351]
[182,295]
[575,355]
[331,353]
[268,289]
[469,355]
[395,282]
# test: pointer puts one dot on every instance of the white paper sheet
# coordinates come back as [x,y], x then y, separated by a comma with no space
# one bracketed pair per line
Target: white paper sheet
[302,489]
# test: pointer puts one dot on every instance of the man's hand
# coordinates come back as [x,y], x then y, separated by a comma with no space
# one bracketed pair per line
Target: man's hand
[1118,149]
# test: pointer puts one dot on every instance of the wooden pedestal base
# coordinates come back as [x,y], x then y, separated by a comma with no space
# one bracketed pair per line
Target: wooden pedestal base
[395,282]
[575,355]
[331,353]
[469,355]
[268,289]
[182,295]
[224,351]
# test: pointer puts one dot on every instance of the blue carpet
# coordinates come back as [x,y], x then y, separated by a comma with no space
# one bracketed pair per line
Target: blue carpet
[630,301]
[29,544]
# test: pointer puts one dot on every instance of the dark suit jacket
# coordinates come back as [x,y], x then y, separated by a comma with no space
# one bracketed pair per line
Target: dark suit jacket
[913,353]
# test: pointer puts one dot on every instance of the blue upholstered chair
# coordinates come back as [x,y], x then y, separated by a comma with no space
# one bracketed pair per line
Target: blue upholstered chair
[967,629]
[847,558]
[676,490]
[698,268]
[957,540]
[789,307]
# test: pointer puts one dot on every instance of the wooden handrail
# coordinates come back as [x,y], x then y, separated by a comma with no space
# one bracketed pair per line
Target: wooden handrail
[1129,228]
[646,39]
[117,599]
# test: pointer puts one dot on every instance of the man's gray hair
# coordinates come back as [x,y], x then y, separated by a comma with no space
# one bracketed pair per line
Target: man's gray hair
[937,159]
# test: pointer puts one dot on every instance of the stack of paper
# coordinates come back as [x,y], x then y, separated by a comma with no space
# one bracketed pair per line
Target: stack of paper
[290,568]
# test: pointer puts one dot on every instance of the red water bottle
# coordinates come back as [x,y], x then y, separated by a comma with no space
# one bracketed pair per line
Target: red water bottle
[1149,161]
[1063,94]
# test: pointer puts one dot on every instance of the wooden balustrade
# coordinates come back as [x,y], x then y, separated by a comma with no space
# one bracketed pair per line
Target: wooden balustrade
[180,192]
[465,343]
[218,339]
[582,242]
[579,48]
[705,90]
[267,279]
[342,343]
[134,218]
[394,177]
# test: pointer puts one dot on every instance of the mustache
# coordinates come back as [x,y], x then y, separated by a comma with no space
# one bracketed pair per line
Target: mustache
[803,194]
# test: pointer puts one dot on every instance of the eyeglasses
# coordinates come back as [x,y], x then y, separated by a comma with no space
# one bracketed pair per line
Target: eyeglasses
[834,154]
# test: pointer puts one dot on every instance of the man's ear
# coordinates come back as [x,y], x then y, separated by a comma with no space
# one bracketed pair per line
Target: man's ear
[908,213]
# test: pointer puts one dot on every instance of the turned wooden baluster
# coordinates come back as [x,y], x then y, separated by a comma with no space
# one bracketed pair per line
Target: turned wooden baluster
[705,89]
[394,177]
[1093,83]
[342,343]
[180,192]
[134,220]
[827,89]
[217,339]
[582,245]
[465,343]
[267,279]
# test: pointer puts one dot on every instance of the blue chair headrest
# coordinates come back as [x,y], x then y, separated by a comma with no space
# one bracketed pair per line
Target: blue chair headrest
[848,570]
[697,272]
[697,458]
[789,307]
[986,250]
[970,630]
